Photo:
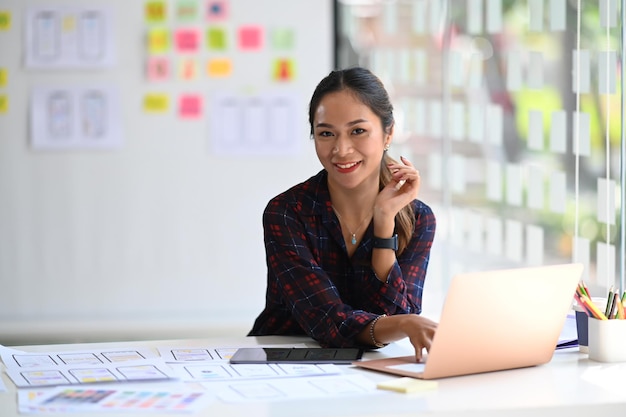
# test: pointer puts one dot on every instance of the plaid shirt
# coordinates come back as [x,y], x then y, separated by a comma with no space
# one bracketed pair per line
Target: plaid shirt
[315,288]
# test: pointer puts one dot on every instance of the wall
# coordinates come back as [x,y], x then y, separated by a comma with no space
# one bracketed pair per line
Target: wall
[161,237]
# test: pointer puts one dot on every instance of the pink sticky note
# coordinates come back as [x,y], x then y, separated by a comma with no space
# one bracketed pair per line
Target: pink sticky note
[187,40]
[250,38]
[188,69]
[216,10]
[158,69]
[190,106]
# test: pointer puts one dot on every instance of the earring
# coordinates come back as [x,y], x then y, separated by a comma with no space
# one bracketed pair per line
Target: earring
[386,147]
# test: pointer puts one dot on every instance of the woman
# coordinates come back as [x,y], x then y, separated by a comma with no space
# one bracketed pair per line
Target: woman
[347,250]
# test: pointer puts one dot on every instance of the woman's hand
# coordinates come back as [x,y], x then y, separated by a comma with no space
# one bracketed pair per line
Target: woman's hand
[420,331]
[401,190]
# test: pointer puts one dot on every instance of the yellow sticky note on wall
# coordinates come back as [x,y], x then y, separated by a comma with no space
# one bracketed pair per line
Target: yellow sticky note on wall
[219,67]
[3,77]
[4,103]
[69,24]
[283,70]
[5,20]
[156,103]
[155,11]
[158,40]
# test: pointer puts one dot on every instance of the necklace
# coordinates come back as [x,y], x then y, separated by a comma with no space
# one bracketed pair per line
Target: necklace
[353,240]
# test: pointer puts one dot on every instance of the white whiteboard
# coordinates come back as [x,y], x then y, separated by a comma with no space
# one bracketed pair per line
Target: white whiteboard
[160,238]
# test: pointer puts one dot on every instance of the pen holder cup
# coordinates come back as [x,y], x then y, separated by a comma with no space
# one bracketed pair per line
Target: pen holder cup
[607,340]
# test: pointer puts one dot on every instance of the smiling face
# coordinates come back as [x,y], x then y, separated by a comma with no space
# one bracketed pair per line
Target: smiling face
[349,140]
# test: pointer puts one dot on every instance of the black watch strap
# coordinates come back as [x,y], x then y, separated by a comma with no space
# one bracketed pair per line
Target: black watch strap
[390,243]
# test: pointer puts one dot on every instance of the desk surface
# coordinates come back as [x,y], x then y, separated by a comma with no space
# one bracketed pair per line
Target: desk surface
[569,385]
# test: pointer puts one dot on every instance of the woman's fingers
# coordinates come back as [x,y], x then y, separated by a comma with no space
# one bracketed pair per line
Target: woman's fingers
[404,172]
[421,334]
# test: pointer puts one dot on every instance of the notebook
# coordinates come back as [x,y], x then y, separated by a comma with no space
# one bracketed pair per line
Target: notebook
[492,321]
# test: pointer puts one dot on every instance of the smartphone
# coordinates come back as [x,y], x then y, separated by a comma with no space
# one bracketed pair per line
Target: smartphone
[297,355]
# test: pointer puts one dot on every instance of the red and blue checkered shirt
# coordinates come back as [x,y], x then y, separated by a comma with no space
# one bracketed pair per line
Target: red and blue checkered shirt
[315,288]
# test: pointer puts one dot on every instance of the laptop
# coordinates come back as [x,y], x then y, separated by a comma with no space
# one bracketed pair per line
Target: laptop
[492,321]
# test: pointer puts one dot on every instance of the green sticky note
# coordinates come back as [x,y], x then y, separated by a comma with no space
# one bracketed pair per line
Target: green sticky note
[5,20]
[283,38]
[4,104]
[186,10]
[216,38]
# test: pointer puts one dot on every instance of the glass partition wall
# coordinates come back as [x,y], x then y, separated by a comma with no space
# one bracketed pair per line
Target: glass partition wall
[513,111]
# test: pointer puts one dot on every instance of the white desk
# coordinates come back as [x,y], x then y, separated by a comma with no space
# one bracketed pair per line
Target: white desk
[559,388]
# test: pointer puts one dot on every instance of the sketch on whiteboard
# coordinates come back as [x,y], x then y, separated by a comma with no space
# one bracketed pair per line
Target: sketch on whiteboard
[68,37]
[46,39]
[91,29]
[93,114]
[75,118]
[60,115]
[265,124]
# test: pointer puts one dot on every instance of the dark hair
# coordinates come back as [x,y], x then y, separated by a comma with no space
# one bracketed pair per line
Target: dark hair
[368,88]
[361,82]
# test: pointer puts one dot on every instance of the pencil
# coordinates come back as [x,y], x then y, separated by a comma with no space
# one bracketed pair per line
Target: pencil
[609,303]
[592,307]
[614,303]
[582,306]
[620,310]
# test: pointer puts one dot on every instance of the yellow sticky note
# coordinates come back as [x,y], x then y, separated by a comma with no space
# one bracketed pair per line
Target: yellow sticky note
[155,11]
[219,67]
[69,24]
[283,70]
[156,103]
[5,20]
[4,104]
[3,77]
[407,385]
[158,40]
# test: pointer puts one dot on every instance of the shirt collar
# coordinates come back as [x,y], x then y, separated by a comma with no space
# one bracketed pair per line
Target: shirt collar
[318,196]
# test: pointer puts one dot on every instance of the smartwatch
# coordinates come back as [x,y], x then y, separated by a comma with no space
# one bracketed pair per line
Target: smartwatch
[390,243]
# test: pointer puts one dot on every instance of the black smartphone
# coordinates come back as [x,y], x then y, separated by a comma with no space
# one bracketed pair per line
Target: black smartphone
[296,355]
